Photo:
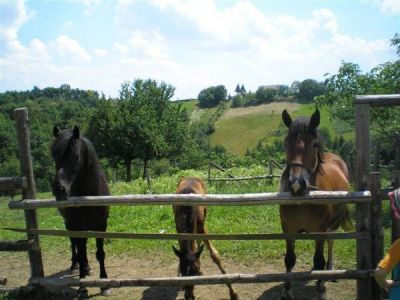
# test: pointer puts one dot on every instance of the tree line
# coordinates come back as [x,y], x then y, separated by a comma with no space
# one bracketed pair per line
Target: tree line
[143,129]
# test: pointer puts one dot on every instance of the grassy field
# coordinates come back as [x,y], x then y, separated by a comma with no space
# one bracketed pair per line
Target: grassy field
[242,128]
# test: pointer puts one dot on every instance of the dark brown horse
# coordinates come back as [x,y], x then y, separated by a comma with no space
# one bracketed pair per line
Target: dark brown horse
[78,173]
[191,219]
[308,167]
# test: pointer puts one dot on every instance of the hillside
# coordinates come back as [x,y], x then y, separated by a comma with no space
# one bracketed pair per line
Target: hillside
[242,128]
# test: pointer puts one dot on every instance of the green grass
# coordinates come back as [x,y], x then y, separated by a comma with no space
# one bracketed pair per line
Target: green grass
[242,128]
[155,219]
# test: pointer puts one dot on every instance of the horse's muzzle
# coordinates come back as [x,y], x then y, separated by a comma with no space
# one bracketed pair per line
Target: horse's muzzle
[298,186]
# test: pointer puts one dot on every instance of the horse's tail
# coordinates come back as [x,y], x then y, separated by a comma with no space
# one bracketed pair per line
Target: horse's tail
[341,218]
[346,223]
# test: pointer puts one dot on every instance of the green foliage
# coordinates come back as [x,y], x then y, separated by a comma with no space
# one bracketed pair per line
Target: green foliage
[212,96]
[342,88]
[308,89]
[47,107]
[265,95]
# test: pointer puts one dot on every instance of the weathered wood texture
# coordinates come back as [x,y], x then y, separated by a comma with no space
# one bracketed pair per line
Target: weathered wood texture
[195,236]
[377,234]
[14,246]
[216,179]
[363,155]
[205,280]
[24,147]
[11,184]
[379,100]
[315,197]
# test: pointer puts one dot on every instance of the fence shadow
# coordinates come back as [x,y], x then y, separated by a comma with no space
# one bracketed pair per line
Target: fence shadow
[157,292]
[301,290]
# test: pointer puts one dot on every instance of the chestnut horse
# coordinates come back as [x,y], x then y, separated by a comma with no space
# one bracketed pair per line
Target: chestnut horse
[309,167]
[191,219]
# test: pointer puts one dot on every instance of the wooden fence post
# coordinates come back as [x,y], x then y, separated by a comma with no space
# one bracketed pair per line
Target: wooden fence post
[396,225]
[362,183]
[24,146]
[377,233]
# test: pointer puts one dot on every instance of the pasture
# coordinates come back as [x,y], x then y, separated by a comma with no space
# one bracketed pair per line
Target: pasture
[147,258]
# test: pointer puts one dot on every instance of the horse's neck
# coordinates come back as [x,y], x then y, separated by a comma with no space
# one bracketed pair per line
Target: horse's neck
[87,182]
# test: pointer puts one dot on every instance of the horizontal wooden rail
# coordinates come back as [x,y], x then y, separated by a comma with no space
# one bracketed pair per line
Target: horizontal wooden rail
[10,184]
[187,236]
[379,100]
[245,178]
[204,280]
[14,246]
[315,197]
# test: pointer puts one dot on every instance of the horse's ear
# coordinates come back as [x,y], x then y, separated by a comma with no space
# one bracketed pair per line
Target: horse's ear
[177,252]
[287,120]
[56,131]
[315,119]
[198,253]
[75,132]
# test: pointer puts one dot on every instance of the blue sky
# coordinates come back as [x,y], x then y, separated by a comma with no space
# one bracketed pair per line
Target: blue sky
[99,44]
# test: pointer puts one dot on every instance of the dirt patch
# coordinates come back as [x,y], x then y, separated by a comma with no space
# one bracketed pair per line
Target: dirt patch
[276,107]
[152,265]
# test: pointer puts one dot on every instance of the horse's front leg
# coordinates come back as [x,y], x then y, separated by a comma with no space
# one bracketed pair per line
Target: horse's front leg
[74,256]
[319,264]
[201,228]
[329,264]
[290,261]
[101,255]
[83,265]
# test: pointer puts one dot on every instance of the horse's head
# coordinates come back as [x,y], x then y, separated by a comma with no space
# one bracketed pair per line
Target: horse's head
[303,152]
[189,261]
[67,151]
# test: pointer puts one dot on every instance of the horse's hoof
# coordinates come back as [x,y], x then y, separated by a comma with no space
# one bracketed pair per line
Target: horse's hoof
[83,294]
[287,295]
[321,292]
[106,292]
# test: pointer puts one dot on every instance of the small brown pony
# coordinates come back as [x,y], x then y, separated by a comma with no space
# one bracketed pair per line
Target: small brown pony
[309,167]
[191,219]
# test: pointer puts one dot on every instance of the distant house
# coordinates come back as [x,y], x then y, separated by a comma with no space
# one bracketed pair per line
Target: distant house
[270,87]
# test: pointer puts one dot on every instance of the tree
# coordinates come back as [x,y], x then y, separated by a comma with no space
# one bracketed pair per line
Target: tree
[155,125]
[308,89]
[237,89]
[212,96]
[242,90]
[341,88]
[265,95]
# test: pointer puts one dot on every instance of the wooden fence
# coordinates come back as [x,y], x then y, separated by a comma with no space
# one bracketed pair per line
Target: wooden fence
[368,232]
[272,164]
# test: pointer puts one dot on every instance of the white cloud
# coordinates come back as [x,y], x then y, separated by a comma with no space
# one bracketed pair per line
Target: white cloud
[67,47]
[13,15]
[101,53]
[391,6]
[148,44]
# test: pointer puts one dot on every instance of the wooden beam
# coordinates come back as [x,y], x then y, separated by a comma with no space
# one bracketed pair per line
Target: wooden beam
[379,100]
[245,178]
[204,280]
[12,184]
[187,236]
[24,148]
[314,197]
[14,246]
